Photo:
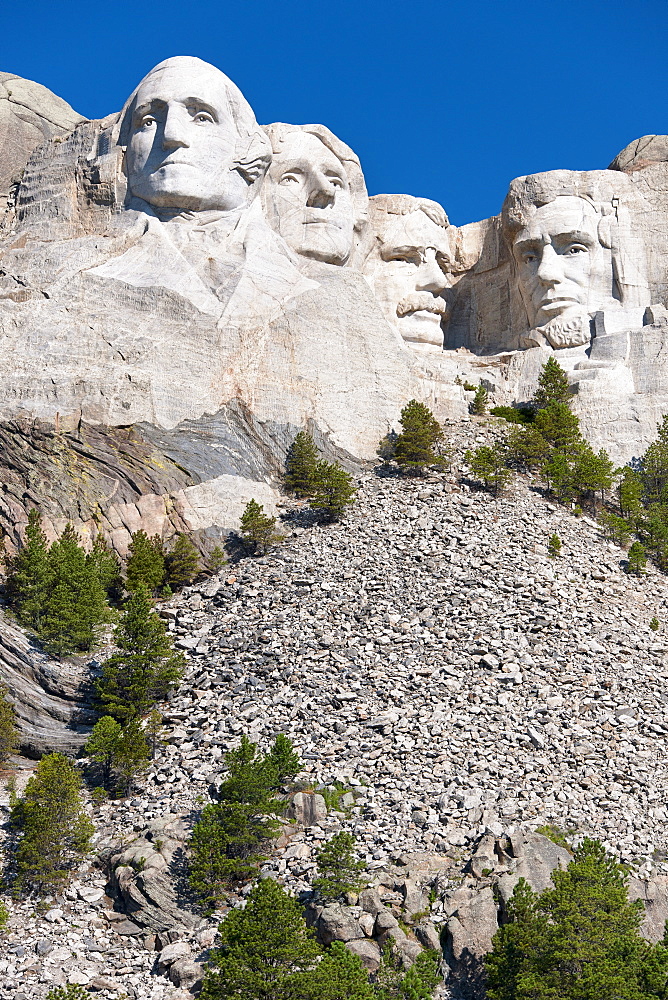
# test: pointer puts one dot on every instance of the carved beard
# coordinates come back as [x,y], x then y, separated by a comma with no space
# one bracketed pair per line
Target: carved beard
[559,333]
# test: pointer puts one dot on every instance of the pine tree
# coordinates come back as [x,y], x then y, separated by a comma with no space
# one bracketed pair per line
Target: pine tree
[132,756]
[592,473]
[637,561]
[228,842]
[654,466]
[420,433]
[339,868]
[489,464]
[554,546]
[107,567]
[102,746]
[334,490]
[145,669]
[338,976]
[146,563]
[577,941]
[527,448]
[182,562]
[553,386]
[215,560]
[654,623]
[76,605]
[630,492]
[9,734]
[300,465]
[29,575]
[257,528]
[265,949]
[559,427]
[480,400]
[615,528]
[55,830]
[283,758]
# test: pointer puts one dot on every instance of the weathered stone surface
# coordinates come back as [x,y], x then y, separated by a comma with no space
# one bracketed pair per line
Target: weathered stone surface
[307,808]
[29,114]
[654,895]
[336,924]
[367,951]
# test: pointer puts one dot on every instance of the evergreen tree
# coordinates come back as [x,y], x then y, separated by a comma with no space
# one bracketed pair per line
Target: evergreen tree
[527,448]
[554,546]
[654,623]
[630,492]
[229,840]
[334,490]
[557,471]
[102,746]
[654,466]
[283,758]
[577,941]
[257,528]
[592,473]
[392,982]
[29,575]
[146,563]
[55,830]
[76,605]
[339,868]
[265,949]
[488,463]
[559,427]
[145,669]
[107,567]
[182,562]
[553,386]
[216,560]
[338,976]
[132,756]
[420,433]
[479,405]
[9,734]
[615,528]
[300,465]
[637,561]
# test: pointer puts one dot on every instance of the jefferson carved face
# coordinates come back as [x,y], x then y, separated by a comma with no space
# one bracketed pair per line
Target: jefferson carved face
[183,138]
[411,275]
[563,269]
[309,199]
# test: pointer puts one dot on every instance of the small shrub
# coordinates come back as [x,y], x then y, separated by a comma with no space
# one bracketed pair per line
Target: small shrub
[420,434]
[654,624]
[182,562]
[215,560]
[556,835]
[554,546]
[69,992]
[333,492]
[479,404]
[513,414]
[488,464]
[258,529]
[9,734]
[4,916]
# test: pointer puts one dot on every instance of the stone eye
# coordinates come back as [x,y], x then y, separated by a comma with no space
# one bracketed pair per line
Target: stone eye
[577,248]
[203,118]
[148,121]
[289,179]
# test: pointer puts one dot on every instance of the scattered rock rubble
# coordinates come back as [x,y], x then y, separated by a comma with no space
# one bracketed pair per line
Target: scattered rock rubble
[464,688]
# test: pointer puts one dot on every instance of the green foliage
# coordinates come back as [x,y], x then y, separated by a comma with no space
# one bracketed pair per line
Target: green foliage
[488,464]
[552,386]
[29,575]
[216,559]
[386,447]
[55,831]
[145,669]
[4,916]
[69,992]
[420,434]
[102,746]
[654,624]
[556,835]
[266,952]
[333,794]
[559,427]
[526,447]
[654,466]
[146,563]
[182,563]
[229,841]
[132,756]
[76,605]
[258,529]
[637,560]
[616,528]
[338,866]
[480,401]
[333,491]
[9,734]
[419,983]
[107,567]
[513,414]
[630,493]
[577,941]
[301,466]
[554,546]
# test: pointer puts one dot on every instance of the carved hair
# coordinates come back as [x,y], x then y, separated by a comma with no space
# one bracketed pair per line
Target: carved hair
[610,195]
[404,204]
[279,131]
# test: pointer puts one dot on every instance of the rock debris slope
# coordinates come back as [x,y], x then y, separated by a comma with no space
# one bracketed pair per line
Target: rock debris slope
[430,655]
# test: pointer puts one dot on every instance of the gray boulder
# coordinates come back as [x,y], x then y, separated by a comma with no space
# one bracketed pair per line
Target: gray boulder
[335,923]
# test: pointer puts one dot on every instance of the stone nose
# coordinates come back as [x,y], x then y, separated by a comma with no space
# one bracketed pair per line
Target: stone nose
[430,277]
[321,191]
[550,269]
[174,128]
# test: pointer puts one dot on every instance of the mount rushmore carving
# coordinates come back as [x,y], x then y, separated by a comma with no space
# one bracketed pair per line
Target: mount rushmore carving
[217,285]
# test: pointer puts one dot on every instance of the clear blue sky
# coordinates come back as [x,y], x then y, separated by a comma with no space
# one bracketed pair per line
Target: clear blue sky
[448,100]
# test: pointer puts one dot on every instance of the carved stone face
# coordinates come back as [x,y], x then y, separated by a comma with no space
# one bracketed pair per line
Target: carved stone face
[309,199]
[563,270]
[410,277]
[182,142]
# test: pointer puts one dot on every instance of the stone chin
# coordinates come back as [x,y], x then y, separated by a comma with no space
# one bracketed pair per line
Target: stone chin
[321,241]
[570,329]
[422,330]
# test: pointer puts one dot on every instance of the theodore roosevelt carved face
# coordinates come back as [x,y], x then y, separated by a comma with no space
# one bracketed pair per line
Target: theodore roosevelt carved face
[192,142]
[314,193]
[410,267]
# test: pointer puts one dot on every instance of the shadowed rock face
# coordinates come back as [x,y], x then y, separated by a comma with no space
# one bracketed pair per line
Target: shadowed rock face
[29,114]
